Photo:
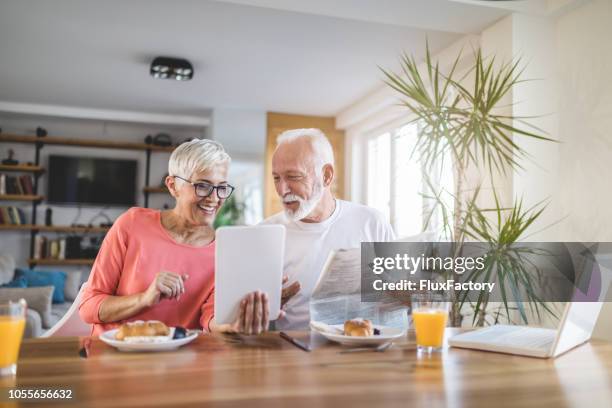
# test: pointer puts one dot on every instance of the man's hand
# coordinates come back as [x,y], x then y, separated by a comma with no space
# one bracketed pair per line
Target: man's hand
[290,291]
[166,285]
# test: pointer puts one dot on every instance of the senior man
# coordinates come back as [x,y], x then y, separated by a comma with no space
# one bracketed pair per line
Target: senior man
[316,222]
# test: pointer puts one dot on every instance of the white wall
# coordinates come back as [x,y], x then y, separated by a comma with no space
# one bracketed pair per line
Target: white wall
[242,132]
[18,243]
[584,64]
[533,40]
[570,57]
[573,59]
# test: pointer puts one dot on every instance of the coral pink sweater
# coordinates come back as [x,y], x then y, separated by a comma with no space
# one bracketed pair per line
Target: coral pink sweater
[135,249]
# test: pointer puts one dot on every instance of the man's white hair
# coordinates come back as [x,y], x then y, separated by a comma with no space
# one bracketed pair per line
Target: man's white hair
[323,152]
[196,156]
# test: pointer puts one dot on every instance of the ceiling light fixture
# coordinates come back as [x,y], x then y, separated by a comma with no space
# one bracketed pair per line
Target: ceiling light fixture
[171,68]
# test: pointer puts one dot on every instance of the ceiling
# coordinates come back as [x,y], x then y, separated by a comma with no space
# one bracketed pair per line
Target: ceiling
[307,57]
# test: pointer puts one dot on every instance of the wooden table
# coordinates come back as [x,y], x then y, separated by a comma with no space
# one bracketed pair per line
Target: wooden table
[268,371]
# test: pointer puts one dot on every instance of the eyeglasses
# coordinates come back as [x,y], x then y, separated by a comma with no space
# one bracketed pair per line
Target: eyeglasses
[206,189]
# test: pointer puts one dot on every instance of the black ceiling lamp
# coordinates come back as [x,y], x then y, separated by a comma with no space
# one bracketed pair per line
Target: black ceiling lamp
[171,68]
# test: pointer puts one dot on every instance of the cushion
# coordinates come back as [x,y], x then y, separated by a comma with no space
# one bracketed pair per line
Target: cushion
[72,286]
[7,269]
[19,282]
[38,299]
[56,279]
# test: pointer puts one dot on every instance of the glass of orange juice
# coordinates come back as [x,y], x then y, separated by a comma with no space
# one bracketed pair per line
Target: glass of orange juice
[12,324]
[429,314]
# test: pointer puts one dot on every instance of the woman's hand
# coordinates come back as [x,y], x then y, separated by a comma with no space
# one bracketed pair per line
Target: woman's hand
[166,285]
[253,316]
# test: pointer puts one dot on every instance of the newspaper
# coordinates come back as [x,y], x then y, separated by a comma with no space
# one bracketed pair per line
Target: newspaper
[337,294]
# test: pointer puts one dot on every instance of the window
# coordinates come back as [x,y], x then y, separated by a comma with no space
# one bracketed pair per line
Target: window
[396,181]
[379,177]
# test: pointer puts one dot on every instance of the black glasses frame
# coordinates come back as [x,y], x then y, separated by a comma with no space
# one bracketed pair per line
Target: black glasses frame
[210,187]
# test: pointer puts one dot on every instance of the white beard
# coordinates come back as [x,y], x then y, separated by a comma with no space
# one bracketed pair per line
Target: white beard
[306,206]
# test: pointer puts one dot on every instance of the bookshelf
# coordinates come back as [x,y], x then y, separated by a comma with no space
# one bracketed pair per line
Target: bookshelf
[36,170]
[22,168]
[65,141]
[51,261]
[21,197]
[54,228]
[155,190]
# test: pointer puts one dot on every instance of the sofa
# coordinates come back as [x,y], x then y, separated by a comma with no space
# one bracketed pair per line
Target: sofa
[45,305]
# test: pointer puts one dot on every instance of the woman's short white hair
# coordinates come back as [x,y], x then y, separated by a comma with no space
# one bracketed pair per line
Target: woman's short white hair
[196,156]
[323,151]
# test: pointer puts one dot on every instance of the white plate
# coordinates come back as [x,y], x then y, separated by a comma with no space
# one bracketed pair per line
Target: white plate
[386,335]
[109,338]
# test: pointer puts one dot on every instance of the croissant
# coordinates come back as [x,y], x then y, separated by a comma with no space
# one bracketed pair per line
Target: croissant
[358,327]
[140,329]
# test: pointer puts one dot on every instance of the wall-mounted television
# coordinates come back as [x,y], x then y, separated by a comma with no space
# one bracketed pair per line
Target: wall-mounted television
[91,181]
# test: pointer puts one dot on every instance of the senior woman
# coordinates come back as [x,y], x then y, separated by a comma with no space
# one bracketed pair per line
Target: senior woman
[159,265]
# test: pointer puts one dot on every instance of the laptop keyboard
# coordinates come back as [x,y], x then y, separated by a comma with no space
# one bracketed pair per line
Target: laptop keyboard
[514,336]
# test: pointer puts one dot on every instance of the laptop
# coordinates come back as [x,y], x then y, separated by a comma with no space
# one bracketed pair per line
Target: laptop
[577,324]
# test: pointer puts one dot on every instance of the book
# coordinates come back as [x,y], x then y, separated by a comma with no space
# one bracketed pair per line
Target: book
[22,216]
[14,216]
[44,247]
[10,216]
[15,185]
[6,215]
[10,185]
[18,186]
[26,184]
[62,248]
[2,183]
[54,249]
[38,244]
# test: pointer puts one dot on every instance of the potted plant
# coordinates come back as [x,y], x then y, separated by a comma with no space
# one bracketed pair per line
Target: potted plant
[231,213]
[464,122]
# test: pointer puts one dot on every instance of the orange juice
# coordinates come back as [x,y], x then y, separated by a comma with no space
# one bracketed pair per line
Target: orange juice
[11,331]
[429,325]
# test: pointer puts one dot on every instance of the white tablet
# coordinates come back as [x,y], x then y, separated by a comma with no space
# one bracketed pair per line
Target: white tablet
[248,259]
